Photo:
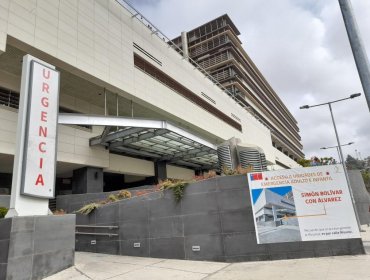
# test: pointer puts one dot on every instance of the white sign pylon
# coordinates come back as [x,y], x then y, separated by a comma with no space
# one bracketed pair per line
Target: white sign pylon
[35,156]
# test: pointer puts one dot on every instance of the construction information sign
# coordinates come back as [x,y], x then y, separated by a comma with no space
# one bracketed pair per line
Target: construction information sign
[302,204]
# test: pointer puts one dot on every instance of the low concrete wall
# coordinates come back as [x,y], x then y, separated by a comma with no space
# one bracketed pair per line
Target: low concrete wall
[73,202]
[215,214]
[361,196]
[34,247]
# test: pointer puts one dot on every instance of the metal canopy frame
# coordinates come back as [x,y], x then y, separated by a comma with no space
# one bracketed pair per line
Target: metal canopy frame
[154,139]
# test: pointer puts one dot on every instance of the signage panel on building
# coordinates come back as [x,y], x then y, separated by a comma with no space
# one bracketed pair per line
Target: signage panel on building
[39,155]
[302,204]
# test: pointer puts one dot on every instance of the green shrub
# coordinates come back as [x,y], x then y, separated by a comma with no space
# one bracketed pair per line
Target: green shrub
[124,194]
[206,175]
[88,208]
[112,198]
[238,171]
[3,212]
[177,186]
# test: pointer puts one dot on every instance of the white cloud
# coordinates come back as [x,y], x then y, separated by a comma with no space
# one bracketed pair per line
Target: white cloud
[302,49]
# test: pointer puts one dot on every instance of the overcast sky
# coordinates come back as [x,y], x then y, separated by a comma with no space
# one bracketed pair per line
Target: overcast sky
[302,49]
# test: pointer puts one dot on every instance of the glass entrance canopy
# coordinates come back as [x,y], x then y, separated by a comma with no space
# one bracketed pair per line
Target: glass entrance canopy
[149,139]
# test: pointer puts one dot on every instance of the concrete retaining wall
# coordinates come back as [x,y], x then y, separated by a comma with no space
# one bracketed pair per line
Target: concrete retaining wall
[34,247]
[73,202]
[361,195]
[215,214]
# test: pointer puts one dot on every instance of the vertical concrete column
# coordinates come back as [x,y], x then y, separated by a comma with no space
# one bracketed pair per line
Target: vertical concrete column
[184,42]
[2,42]
[160,170]
[87,180]
[274,212]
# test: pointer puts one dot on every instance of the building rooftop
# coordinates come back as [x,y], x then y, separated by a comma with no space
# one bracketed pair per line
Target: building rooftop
[225,17]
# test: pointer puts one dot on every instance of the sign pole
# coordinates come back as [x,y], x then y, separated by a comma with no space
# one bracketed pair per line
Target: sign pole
[345,170]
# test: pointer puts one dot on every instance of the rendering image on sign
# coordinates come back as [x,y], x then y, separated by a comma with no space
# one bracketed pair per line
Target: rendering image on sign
[302,204]
[274,208]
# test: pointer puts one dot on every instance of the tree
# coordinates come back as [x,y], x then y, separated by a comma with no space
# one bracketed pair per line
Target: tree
[304,162]
[315,161]
[366,178]
[367,163]
[353,163]
[327,160]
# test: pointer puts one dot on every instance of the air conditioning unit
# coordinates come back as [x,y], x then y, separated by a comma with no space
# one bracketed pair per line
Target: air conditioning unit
[250,155]
[232,154]
[227,154]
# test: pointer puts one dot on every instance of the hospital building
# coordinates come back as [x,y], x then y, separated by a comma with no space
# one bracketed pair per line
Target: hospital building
[136,106]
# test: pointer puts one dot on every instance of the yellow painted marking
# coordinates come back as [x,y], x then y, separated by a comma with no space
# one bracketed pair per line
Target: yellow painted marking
[305,216]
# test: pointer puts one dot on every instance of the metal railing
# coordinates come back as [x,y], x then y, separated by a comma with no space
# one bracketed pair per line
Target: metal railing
[109,234]
[9,98]
[156,31]
[222,75]
[207,46]
[214,60]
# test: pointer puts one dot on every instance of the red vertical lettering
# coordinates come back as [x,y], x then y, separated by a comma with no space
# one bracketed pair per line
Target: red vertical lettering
[41,163]
[41,147]
[46,74]
[43,131]
[45,87]
[45,102]
[39,180]
[43,116]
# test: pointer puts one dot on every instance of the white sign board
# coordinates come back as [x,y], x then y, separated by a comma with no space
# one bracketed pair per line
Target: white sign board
[39,156]
[302,204]
[34,159]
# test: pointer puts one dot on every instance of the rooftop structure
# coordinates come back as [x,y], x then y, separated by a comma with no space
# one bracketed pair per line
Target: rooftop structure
[215,46]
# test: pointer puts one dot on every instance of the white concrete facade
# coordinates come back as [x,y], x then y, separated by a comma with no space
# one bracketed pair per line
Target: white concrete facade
[94,40]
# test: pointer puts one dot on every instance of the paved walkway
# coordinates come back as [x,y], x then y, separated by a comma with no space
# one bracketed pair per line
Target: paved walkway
[100,266]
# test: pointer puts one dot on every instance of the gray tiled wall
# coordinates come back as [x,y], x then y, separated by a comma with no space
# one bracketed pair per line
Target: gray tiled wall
[34,247]
[215,214]
[361,196]
[5,228]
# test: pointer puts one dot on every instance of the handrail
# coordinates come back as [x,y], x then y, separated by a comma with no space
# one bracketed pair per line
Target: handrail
[100,234]
[92,226]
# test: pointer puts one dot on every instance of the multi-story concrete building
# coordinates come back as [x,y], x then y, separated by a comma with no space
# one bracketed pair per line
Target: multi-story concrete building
[272,206]
[132,109]
[215,46]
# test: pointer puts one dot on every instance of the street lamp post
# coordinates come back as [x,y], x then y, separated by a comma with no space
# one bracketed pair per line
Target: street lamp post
[358,49]
[340,159]
[339,147]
